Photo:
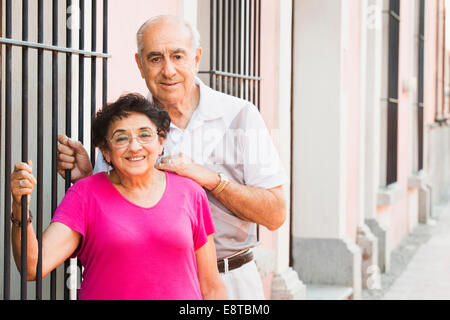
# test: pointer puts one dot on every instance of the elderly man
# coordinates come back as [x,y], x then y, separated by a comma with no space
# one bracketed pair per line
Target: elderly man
[217,140]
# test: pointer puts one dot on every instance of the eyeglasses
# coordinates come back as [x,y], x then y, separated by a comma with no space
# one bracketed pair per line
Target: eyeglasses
[123,139]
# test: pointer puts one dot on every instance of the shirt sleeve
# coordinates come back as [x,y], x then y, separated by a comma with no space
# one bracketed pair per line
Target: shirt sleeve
[205,225]
[262,164]
[72,213]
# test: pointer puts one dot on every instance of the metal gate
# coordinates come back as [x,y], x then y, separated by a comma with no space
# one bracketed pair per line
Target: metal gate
[235,48]
[64,63]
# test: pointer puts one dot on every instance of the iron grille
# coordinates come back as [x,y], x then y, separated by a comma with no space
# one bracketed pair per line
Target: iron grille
[10,45]
[235,48]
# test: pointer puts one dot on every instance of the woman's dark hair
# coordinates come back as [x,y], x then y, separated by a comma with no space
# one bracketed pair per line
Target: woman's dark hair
[131,102]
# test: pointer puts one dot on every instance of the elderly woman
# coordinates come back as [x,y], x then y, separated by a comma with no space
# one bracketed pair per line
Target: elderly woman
[140,233]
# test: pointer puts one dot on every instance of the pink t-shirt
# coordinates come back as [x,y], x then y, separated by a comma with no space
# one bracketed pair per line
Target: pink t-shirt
[130,252]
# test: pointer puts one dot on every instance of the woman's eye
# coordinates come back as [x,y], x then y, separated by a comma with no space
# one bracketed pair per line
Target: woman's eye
[145,134]
[121,138]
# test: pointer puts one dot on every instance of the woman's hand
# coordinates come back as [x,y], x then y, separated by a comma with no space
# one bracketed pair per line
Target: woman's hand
[22,182]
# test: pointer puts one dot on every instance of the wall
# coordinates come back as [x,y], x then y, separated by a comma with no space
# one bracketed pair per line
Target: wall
[125,19]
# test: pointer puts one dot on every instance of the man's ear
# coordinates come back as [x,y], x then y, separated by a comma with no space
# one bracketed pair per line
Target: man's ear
[139,64]
[198,57]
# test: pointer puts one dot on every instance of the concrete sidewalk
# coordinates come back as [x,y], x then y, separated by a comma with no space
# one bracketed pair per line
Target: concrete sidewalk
[427,275]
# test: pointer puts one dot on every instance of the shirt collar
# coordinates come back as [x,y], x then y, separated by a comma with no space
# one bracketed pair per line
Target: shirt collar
[206,109]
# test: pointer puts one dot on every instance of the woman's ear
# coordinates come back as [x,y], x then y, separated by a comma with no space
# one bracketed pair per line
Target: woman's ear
[106,154]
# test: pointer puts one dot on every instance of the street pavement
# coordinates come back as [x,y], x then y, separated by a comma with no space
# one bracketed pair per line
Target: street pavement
[427,275]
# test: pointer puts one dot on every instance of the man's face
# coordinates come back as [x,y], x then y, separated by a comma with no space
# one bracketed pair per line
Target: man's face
[168,63]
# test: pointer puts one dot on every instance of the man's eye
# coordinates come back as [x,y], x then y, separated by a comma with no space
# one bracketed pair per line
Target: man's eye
[155,59]
[178,57]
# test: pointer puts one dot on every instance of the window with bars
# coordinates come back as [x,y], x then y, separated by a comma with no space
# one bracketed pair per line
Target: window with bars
[49,86]
[392,101]
[235,48]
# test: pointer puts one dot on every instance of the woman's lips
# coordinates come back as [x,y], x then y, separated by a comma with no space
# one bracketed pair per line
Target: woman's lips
[135,158]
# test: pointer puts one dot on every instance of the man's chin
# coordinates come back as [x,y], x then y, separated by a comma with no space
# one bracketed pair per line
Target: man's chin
[168,99]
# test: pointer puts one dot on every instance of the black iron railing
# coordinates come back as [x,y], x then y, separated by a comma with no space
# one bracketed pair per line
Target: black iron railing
[57,50]
[235,48]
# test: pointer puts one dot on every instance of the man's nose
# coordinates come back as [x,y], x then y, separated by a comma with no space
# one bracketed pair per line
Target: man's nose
[169,69]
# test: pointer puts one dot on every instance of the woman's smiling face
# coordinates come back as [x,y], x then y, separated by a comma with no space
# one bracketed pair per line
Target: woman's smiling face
[138,156]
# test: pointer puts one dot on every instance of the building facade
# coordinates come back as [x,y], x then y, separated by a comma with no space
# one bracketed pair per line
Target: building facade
[354,93]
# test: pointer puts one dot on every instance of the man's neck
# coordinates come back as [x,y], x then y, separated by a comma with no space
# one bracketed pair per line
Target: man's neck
[181,112]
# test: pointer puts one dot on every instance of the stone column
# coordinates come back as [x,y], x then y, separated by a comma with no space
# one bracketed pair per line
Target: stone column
[286,284]
[322,253]
[366,240]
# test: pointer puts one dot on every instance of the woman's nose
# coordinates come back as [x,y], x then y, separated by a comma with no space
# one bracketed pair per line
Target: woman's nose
[134,144]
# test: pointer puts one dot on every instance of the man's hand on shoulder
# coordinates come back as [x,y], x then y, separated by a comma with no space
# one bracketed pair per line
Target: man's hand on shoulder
[72,156]
[184,166]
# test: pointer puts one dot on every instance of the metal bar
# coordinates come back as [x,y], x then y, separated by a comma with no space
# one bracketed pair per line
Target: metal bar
[68,177]
[34,45]
[230,75]
[8,122]
[395,15]
[24,228]
[93,71]
[105,50]
[81,77]
[239,55]
[216,85]
[40,150]
[229,45]
[54,177]
[244,71]
[255,25]
[69,116]
[223,58]
[211,41]
[235,46]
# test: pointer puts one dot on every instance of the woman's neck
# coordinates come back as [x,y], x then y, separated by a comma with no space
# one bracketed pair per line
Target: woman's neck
[144,191]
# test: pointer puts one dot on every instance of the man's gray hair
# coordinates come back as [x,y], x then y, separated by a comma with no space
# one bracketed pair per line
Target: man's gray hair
[195,35]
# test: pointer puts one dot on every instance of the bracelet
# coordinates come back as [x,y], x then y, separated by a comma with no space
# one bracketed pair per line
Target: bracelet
[224,181]
[18,223]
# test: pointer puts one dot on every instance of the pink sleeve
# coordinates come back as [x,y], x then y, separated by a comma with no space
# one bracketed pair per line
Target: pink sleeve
[72,213]
[205,225]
